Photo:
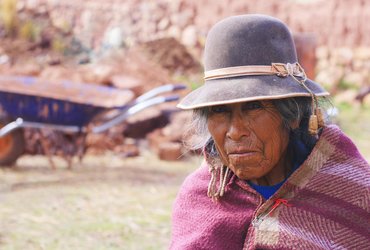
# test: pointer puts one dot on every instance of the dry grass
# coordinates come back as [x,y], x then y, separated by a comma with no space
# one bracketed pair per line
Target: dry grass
[107,203]
[354,120]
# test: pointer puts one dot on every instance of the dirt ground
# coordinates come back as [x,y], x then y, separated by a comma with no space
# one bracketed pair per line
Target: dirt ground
[106,202]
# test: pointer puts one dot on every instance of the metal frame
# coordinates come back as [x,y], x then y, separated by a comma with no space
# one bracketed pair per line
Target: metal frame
[144,101]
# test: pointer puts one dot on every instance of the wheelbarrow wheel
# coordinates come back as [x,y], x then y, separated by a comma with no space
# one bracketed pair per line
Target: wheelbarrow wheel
[11,147]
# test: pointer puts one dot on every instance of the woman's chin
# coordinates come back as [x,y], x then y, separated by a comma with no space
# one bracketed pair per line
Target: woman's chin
[247,173]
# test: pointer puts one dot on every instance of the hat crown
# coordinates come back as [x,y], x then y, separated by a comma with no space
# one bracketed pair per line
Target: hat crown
[248,40]
[239,51]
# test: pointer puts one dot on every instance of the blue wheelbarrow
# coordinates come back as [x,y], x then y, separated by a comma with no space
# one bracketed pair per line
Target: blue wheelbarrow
[29,102]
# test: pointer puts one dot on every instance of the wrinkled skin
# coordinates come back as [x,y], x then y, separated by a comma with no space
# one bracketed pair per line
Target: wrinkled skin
[251,140]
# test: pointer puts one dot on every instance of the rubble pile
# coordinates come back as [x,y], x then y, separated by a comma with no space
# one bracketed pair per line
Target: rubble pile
[171,55]
[136,68]
[167,141]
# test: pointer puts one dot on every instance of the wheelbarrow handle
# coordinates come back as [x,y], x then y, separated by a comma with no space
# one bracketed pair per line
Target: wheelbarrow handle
[133,110]
[171,98]
[178,86]
[159,90]
[20,123]
[10,127]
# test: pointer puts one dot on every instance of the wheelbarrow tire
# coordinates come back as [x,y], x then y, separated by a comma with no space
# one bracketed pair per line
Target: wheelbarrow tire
[11,147]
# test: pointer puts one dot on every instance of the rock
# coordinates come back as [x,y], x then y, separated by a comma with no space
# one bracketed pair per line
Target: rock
[5,69]
[167,141]
[359,65]
[139,125]
[32,4]
[53,60]
[362,53]
[330,76]
[163,24]
[343,56]
[127,150]
[183,18]
[59,20]
[189,36]
[27,69]
[128,82]
[110,140]
[354,79]
[174,32]
[113,38]
[322,53]
[135,63]
[347,96]
[156,138]
[170,151]
[176,59]
[322,65]
[175,130]
[4,59]
[102,73]
[59,72]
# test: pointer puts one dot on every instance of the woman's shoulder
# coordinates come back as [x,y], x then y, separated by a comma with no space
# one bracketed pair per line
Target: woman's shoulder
[334,143]
[197,181]
[335,168]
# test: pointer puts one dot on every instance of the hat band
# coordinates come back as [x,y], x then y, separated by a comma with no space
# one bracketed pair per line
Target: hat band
[279,69]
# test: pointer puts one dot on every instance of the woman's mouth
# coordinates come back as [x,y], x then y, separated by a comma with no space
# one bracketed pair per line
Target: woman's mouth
[242,152]
[241,155]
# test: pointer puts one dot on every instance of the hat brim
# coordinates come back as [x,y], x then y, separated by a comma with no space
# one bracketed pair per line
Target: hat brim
[247,88]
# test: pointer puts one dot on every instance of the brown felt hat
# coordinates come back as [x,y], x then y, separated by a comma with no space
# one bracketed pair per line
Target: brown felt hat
[250,57]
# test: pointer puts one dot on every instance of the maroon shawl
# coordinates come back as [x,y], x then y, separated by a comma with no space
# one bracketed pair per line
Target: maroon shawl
[325,204]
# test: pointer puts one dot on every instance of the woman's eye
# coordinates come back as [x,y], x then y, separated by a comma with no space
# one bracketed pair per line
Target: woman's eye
[252,105]
[219,109]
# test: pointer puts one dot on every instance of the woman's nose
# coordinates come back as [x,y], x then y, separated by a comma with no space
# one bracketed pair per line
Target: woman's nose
[238,128]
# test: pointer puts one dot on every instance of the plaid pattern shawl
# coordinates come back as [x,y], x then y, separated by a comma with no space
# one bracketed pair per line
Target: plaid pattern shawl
[325,204]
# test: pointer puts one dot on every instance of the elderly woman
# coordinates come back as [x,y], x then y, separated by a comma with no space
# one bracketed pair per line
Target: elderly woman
[274,176]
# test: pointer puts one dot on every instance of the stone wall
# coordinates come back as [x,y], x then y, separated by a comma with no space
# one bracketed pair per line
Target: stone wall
[335,22]
[339,26]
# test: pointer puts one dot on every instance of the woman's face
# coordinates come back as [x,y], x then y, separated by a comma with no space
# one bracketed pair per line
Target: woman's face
[251,139]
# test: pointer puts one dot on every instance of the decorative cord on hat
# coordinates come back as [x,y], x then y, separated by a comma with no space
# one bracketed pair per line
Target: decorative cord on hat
[294,70]
[316,120]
